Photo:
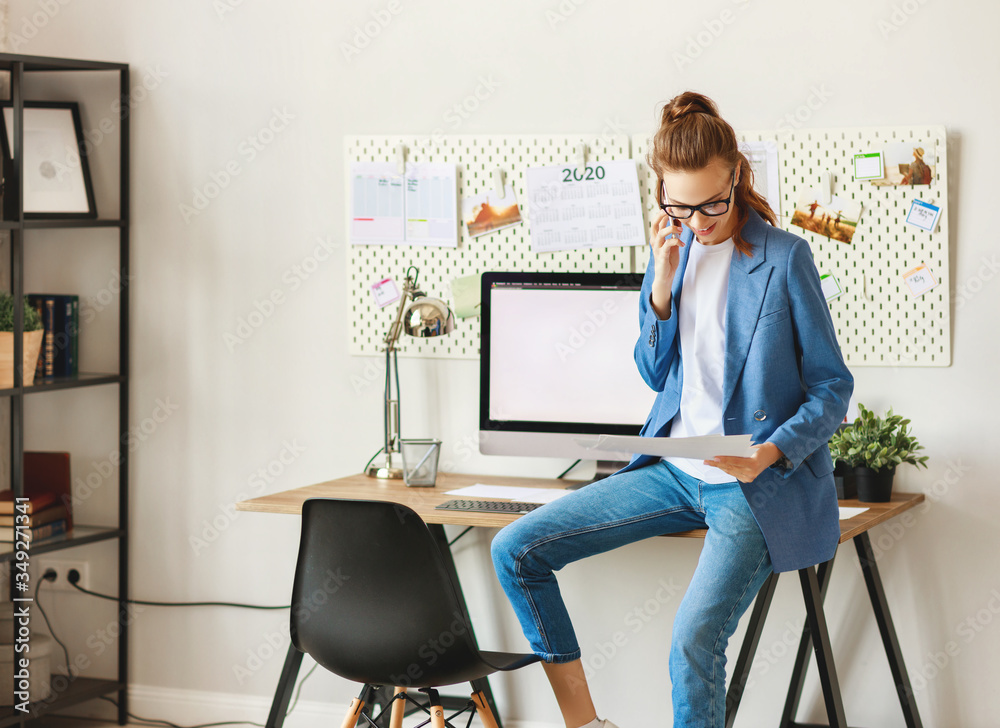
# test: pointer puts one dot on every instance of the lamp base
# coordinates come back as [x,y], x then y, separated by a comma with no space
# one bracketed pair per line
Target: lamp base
[385,472]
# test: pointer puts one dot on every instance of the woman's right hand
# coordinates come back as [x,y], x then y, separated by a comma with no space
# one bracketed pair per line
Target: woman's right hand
[665,248]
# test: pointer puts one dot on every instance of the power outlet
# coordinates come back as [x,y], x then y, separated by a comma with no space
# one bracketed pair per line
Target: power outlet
[62,569]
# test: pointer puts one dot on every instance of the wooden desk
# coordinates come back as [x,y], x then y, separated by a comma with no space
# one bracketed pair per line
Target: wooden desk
[814,582]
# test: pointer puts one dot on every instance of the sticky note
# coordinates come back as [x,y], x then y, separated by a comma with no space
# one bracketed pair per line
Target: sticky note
[385,292]
[923,215]
[467,294]
[869,166]
[920,280]
[831,287]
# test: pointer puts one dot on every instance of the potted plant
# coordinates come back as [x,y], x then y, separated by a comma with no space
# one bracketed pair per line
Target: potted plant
[31,341]
[874,446]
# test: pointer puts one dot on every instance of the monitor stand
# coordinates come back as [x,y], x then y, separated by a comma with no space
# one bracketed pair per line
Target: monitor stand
[603,470]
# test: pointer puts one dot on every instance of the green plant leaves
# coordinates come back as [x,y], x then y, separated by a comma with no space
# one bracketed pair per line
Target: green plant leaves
[877,443]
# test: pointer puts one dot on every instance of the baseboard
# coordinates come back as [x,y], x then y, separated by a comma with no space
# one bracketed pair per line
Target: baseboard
[194,707]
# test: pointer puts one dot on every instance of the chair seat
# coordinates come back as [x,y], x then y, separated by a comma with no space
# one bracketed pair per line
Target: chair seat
[508,660]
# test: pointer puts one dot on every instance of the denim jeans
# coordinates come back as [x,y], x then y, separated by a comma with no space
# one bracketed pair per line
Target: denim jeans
[628,507]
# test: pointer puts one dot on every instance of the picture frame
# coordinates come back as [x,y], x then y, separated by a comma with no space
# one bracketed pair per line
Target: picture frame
[57,183]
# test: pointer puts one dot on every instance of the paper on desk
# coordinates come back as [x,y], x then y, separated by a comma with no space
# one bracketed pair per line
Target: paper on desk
[850,512]
[521,495]
[705,447]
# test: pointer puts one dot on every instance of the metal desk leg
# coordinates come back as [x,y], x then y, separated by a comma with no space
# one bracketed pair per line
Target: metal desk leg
[761,606]
[824,651]
[286,684]
[889,640]
[483,684]
[802,656]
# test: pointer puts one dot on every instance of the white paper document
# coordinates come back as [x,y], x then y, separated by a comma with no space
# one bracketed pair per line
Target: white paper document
[705,447]
[847,512]
[597,207]
[511,492]
[418,208]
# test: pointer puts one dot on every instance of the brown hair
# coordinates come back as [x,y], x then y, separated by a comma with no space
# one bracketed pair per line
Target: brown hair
[691,136]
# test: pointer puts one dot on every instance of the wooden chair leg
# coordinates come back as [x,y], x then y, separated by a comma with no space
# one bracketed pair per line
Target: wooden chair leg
[398,709]
[353,713]
[483,710]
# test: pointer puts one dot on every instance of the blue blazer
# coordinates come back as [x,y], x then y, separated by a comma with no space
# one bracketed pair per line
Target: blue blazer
[784,381]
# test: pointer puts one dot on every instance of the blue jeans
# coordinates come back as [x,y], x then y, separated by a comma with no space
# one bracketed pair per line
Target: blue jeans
[628,507]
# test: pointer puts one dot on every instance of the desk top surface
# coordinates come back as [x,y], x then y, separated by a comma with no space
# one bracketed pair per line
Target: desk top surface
[424,500]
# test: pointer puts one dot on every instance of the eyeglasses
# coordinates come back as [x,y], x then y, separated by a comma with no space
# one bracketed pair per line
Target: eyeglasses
[709,209]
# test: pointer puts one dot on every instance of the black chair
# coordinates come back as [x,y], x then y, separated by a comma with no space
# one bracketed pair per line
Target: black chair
[373,602]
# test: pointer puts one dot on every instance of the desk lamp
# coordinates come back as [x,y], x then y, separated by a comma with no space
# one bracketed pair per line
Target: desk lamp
[424,317]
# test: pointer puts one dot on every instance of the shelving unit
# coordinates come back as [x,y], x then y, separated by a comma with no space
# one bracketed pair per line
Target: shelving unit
[19,68]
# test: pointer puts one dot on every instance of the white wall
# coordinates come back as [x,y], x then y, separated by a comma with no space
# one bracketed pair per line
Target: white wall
[221,72]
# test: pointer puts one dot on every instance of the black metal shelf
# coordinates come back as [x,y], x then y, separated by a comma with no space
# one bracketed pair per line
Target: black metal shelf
[8,61]
[20,69]
[79,536]
[68,222]
[84,379]
[78,690]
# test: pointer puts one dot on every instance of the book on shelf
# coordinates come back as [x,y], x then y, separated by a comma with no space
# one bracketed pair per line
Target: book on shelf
[60,314]
[38,517]
[9,534]
[33,505]
[47,485]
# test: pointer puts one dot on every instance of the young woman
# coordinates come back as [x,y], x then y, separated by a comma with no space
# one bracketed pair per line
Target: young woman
[736,337]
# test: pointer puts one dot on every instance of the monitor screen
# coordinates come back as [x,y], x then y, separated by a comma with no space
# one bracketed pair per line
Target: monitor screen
[557,364]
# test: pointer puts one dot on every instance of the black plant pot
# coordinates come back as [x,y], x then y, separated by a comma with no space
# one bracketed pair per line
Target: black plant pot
[874,486]
[843,476]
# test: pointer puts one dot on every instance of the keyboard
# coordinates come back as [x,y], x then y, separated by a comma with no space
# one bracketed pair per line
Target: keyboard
[484,506]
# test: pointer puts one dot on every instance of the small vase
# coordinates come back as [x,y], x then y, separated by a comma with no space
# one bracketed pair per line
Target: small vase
[843,476]
[874,486]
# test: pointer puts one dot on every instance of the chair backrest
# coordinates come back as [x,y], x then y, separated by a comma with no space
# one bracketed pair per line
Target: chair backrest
[371,600]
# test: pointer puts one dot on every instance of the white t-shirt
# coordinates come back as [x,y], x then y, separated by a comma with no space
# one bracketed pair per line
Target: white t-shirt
[702,329]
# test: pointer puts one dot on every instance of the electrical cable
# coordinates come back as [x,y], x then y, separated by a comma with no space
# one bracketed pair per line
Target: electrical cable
[380,451]
[169,604]
[563,473]
[468,528]
[154,721]
[48,624]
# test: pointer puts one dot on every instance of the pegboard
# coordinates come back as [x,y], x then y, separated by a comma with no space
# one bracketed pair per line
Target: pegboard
[879,322]
[476,157]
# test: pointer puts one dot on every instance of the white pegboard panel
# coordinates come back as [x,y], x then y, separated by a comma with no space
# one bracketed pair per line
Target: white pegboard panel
[879,323]
[476,156]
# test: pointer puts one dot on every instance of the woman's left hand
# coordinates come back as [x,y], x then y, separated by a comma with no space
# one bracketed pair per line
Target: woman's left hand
[746,470]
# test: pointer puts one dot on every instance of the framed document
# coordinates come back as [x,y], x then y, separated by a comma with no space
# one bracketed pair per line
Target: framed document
[56,174]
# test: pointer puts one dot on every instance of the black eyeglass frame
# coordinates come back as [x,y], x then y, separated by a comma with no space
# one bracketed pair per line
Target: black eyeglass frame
[698,208]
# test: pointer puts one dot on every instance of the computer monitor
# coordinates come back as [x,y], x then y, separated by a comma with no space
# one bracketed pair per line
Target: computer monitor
[556,363]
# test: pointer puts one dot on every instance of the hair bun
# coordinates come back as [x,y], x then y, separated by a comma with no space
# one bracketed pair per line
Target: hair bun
[687,103]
